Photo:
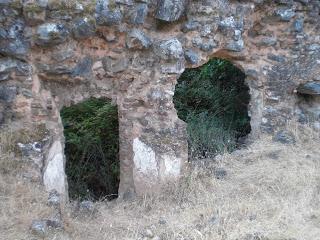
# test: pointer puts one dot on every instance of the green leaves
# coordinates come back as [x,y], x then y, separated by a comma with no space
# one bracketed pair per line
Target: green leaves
[213,100]
[92,144]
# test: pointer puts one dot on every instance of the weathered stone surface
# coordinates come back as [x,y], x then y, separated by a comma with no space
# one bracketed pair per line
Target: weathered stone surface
[285,14]
[107,14]
[137,39]
[34,12]
[191,56]
[310,88]
[50,34]
[235,46]
[83,68]
[39,227]
[125,2]
[84,27]
[267,42]
[13,42]
[139,13]
[298,25]
[169,49]
[190,26]
[54,177]
[6,66]
[7,93]
[170,10]
[9,66]
[115,65]
[54,198]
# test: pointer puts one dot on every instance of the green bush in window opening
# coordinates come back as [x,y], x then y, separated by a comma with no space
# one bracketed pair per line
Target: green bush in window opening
[213,100]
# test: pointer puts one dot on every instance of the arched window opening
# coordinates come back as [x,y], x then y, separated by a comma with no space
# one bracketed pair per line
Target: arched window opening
[213,100]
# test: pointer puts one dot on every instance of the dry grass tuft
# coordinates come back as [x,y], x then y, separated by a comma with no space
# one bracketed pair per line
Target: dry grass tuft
[271,192]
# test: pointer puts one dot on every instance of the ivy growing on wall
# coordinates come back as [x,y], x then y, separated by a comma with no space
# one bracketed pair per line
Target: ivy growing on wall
[91,147]
[213,100]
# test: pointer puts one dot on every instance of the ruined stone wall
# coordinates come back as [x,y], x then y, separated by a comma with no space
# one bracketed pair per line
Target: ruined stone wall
[55,53]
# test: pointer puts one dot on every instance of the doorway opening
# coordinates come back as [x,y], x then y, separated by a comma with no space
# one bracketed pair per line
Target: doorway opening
[213,100]
[91,133]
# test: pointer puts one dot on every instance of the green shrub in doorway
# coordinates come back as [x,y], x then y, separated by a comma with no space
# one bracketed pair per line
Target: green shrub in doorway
[91,147]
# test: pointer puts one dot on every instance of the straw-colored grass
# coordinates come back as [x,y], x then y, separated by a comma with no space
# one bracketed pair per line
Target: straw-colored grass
[271,192]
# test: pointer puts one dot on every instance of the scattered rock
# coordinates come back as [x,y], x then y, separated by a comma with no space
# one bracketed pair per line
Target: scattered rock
[220,173]
[148,233]
[55,221]
[39,227]
[87,207]
[284,137]
[54,198]
[162,221]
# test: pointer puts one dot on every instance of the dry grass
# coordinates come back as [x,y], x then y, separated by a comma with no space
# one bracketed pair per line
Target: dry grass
[271,192]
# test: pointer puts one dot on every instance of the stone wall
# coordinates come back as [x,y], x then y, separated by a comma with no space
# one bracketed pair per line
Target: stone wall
[55,53]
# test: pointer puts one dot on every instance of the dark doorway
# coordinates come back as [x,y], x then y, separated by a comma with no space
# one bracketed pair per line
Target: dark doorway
[213,100]
[91,133]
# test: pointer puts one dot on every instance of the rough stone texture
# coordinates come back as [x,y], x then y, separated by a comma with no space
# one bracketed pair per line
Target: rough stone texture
[309,88]
[170,10]
[55,55]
